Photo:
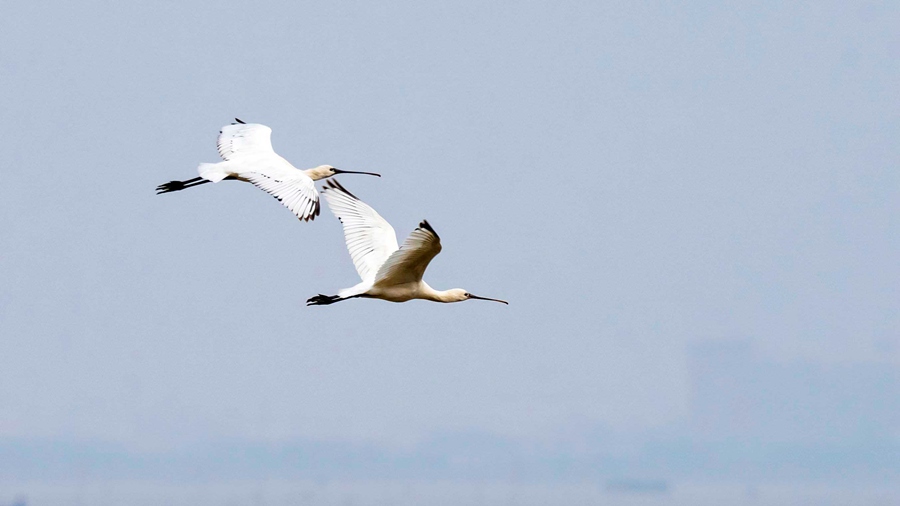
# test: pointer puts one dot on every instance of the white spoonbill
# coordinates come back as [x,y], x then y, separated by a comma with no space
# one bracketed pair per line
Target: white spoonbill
[248,154]
[388,272]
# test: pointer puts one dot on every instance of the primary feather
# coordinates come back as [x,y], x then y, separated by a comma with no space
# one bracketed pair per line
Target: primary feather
[370,238]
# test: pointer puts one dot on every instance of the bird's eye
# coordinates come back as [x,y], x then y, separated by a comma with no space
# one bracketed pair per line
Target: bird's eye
[467,294]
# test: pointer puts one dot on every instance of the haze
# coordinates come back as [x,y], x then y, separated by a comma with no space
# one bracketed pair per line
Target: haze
[645,183]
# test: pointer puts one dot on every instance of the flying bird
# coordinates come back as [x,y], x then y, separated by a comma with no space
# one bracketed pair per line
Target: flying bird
[389,272]
[246,149]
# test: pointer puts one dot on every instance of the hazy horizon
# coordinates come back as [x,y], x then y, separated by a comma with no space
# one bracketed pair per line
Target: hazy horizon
[640,180]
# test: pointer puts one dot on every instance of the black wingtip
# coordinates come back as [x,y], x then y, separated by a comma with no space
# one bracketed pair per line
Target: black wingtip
[239,121]
[332,184]
[427,226]
[311,216]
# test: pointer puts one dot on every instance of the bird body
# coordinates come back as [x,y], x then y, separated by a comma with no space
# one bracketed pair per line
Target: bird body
[413,290]
[388,271]
[247,154]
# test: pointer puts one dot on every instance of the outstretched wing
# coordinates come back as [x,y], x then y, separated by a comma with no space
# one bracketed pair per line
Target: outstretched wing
[248,148]
[244,139]
[297,192]
[408,263]
[370,239]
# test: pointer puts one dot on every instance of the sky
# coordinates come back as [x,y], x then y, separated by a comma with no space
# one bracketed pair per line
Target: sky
[634,177]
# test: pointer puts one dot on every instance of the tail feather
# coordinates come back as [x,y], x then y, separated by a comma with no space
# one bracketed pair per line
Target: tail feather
[214,172]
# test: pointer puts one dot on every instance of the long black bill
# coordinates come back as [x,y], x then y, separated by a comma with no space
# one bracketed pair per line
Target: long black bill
[487,298]
[339,171]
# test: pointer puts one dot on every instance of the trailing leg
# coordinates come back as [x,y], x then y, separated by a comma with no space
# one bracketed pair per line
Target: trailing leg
[174,186]
[323,300]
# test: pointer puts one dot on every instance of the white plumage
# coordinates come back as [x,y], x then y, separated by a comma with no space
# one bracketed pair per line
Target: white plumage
[387,271]
[241,139]
[247,154]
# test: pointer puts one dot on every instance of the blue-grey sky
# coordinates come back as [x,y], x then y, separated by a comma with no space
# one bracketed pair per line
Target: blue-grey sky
[633,176]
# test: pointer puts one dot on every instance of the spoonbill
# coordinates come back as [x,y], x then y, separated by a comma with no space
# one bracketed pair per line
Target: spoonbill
[246,149]
[388,272]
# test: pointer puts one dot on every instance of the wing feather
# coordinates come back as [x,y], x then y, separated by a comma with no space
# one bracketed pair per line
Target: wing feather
[370,238]
[239,139]
[408,264]
[297,193]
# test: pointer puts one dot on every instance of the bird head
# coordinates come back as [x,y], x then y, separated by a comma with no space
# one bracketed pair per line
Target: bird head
[460,294]
[326,171]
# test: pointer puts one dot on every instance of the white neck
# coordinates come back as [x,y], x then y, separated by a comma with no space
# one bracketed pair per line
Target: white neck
[429,293]
[317,173]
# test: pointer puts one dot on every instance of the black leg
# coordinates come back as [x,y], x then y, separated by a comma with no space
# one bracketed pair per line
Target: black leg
[174,186]
[323,300]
